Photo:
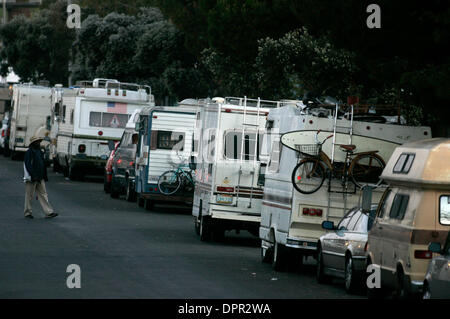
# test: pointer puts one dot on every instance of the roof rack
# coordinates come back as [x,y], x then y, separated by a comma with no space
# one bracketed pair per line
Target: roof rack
[114,84]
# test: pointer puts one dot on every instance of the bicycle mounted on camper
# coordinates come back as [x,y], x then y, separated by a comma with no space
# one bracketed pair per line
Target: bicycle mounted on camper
[309,174]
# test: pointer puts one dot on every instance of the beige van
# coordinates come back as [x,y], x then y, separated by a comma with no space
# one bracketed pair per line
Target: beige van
[413,212]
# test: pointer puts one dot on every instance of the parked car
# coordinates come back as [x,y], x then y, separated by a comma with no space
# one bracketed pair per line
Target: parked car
[414,211]
[437,280]
[341,252]
[108,169]
[122,166]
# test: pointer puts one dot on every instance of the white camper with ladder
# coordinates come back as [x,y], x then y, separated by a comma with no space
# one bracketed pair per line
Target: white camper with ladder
[31,107]
[91,116]
[230,165]
[291,220]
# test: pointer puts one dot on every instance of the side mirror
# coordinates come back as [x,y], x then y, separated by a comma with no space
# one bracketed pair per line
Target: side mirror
[192,163]
[111,145]
[435,248]
[328,225]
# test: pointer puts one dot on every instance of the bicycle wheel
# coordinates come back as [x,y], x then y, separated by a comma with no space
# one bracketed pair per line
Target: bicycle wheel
[366,169]
[308,176]
[169,183]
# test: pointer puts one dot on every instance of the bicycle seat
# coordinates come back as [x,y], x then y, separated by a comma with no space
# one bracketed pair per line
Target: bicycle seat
[347,148]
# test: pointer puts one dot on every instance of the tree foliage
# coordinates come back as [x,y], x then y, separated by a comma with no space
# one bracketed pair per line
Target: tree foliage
[38,47]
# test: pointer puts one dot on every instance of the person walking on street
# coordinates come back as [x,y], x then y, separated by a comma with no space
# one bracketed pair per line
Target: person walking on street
[35,176]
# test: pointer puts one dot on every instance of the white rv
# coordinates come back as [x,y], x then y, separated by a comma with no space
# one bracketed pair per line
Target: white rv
[31,108]
[89,117]
[230,166]
[290,220]
[166,135]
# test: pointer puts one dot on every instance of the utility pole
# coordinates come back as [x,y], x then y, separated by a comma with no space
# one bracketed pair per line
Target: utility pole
[69,2]
[4,11]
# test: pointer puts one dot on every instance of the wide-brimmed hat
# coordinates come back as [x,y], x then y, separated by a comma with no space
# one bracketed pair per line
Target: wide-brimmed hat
[35,139]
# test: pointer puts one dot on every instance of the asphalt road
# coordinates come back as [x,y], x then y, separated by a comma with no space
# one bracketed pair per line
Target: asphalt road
[125,251]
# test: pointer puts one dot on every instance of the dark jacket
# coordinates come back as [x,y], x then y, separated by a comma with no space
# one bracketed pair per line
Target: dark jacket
[35,164]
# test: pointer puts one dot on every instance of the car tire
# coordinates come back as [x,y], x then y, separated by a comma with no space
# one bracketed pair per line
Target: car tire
[321,277]
[205,228]
[114,188]
[131,193]
[426,291]
[279,257]
[140,201]
[74,173]
[106,185]
[350,277]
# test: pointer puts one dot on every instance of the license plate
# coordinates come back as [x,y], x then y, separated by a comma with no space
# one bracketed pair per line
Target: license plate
[224,199]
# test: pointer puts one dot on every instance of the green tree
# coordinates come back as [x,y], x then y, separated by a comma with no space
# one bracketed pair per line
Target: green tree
[38,47]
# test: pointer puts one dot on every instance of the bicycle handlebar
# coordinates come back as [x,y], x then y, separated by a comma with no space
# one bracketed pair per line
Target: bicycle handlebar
[317,137]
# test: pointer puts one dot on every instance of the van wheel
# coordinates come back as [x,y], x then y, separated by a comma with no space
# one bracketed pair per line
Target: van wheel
[205,229]
[372,293]
[131,194]
[279,257]
[140,201]
[350,276]
[401,292]
[266,254]
[426,291]
[320,274]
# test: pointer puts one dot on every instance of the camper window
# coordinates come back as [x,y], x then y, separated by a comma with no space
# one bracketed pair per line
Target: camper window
[233,145]
[99,119]
[166,140]
[444,210]
[71,117]
[404,163]
[399,206]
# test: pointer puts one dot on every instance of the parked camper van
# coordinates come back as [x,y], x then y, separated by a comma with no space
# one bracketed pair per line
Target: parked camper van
[230,165]
[290,220]
[122,166]
[414,211]
[91,115]
[31,108]
[165,142]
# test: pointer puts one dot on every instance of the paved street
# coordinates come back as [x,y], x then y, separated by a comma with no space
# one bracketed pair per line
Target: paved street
[125,251]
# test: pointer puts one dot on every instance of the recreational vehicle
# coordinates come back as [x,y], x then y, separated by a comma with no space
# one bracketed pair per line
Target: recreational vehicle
[414,212]
[230,166]
[165,144]
[90,116]
[31,108]
[291,220]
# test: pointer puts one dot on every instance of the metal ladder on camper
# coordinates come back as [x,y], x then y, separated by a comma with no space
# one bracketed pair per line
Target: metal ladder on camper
[245,125]
[333,148]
